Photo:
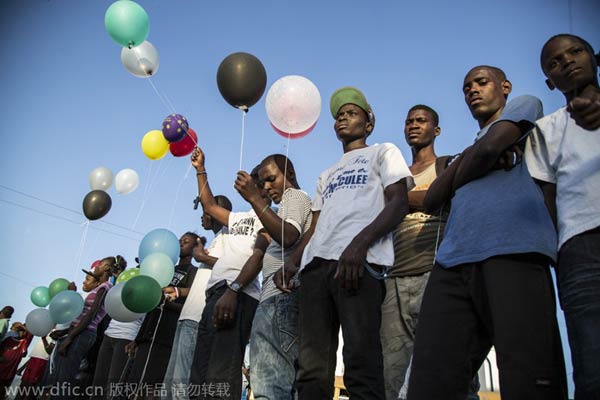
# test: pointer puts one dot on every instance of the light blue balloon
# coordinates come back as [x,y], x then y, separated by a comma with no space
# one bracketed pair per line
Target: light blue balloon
[39,322]
[160,267]
[65,306]
[160,241]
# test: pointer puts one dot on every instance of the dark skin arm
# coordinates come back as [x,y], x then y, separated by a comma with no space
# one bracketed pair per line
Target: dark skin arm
[83,324]
[245,185]
[177,305]
[482,156]
[225,308]
[292,264]
[209,204]
[351,263]
[440,192]
[48,347]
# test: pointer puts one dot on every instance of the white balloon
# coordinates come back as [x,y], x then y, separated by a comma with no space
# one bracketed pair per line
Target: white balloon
[115,307]
[293,104]
[101,178]
[126,181]
[141,61]
[39,322]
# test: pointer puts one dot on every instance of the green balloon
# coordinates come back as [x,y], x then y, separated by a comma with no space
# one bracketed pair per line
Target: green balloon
[40,296]
[57,286]
[141,294]
[127,23]
[128,274]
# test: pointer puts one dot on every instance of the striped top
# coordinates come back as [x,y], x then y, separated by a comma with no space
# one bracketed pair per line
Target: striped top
[87,305]
[295,210]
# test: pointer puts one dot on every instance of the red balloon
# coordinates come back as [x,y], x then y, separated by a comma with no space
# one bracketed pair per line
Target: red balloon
[186,145]
[296,135]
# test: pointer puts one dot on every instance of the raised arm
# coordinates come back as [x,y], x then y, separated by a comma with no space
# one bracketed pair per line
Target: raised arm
[209,204]
[245,185]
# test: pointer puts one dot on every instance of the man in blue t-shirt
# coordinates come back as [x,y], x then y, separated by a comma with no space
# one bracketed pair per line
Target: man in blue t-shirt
[491,285]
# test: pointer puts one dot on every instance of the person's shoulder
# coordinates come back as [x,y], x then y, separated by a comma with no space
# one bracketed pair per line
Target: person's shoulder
[525,99]
[296,194]
[550,122]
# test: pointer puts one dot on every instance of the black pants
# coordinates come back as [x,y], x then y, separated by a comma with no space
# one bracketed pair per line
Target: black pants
[217,367]
[507,302]
[110,364]
[324,306]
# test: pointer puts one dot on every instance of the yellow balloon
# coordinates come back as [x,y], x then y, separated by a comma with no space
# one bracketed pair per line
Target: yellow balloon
[154,145]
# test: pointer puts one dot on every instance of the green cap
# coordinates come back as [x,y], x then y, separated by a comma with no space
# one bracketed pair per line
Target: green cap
[348,95]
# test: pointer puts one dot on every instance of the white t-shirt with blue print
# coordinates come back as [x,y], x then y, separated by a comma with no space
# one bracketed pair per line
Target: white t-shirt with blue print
[350,195]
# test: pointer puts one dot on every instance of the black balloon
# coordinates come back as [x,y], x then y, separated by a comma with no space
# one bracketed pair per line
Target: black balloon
[241,79]
[96,204]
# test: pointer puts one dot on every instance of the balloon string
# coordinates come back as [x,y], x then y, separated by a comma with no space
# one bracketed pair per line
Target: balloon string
[242,140]
[162,307]
[86,225]
[287,150]
[185,176]
[164,98]
[152,185]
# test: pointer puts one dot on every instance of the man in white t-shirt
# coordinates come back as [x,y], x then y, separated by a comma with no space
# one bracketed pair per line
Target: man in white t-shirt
[563,154]
[223,333]
[359,201]
[184,344]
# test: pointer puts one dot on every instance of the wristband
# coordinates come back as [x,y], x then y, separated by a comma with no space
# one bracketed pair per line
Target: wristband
[198,173]
[176,292]
[263,211]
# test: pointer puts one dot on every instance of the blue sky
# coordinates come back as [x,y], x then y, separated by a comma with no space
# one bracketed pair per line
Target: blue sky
[68,105]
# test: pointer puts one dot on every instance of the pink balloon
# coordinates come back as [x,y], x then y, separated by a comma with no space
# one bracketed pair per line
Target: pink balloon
[296,135]
[293,106]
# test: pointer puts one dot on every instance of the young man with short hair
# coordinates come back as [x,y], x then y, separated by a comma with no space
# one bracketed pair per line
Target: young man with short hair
[563,154]
[415,242]
[491,285]
[359,201]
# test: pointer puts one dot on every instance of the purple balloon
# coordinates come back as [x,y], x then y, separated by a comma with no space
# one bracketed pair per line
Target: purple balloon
[175,127]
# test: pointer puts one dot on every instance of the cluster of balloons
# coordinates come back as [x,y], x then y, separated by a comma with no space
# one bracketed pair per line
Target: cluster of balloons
[128,24]
[138,291]
[176,136]
[97,203]
[63,307]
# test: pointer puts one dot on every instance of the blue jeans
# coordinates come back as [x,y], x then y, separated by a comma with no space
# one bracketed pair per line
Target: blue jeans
[578,276]
[274,347]
[177,376]
[66,367]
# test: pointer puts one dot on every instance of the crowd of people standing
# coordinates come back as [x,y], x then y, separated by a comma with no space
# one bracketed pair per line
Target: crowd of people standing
[423,266]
